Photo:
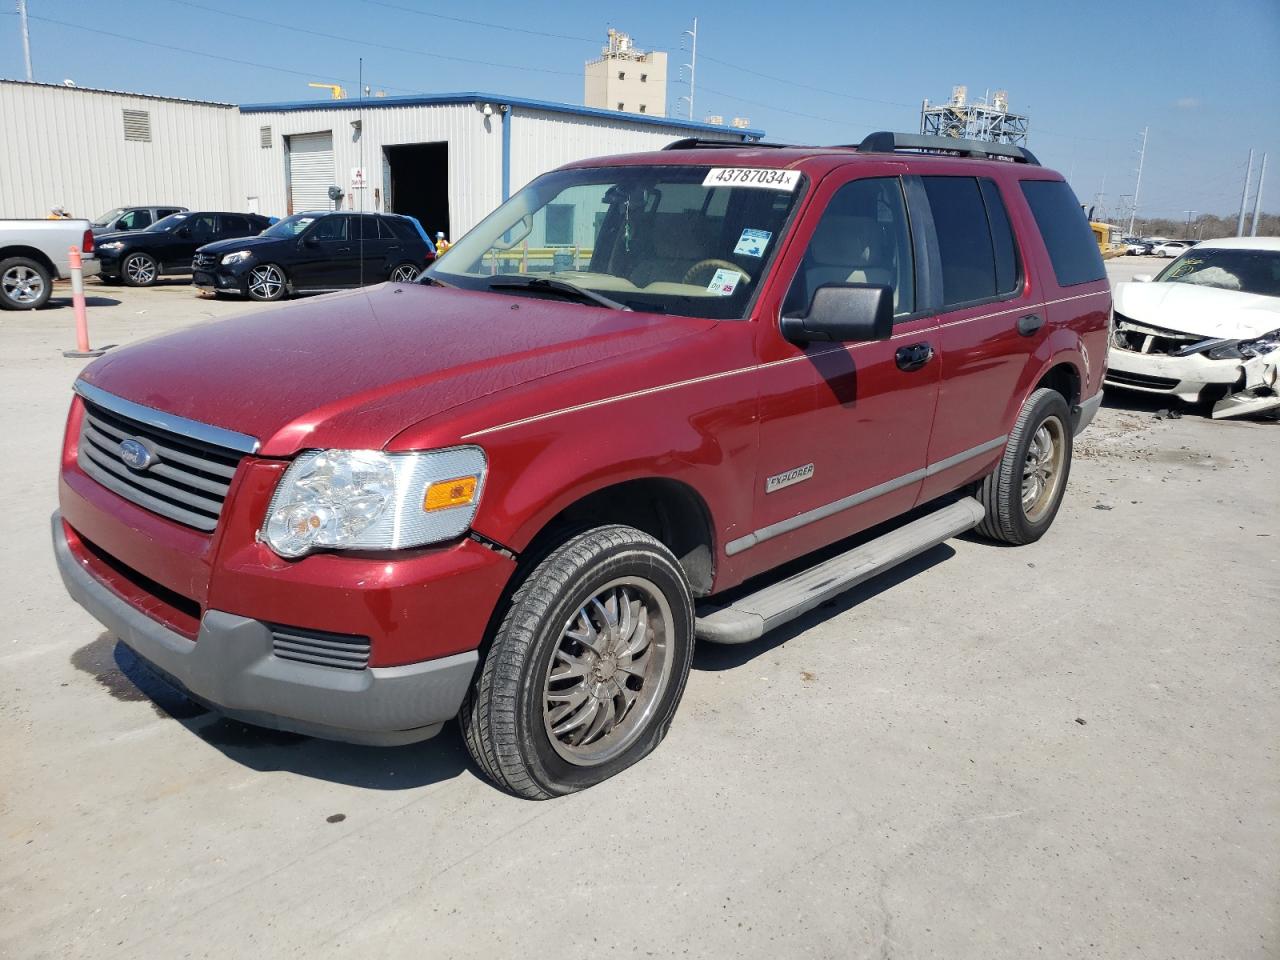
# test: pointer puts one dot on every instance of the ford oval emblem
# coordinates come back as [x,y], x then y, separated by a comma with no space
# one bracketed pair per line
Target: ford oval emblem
[135,454]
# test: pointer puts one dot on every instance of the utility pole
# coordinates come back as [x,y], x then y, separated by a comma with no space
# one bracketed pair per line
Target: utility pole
[692,65]
[1244,196]
[26,37]
[1137,187]
[1257,198]
[1186,233]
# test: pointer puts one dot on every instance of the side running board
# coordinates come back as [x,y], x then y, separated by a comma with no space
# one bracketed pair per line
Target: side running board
[750,617]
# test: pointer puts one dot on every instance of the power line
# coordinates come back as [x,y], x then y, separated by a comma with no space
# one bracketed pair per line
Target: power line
[480,23]
[418,52]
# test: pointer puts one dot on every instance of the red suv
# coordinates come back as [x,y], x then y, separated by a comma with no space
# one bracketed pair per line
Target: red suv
[516,490]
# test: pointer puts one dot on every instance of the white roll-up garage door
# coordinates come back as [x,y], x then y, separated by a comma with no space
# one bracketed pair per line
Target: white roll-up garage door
[310,171]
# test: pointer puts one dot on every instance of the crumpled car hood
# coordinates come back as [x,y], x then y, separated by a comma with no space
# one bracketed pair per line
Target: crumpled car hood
[356,369]
[1199,310]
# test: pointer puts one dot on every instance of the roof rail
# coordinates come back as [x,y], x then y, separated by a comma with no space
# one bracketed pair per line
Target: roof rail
[698,143]
[885,141]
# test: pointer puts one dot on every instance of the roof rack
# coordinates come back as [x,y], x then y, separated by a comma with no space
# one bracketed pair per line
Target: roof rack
[885,141]
[698,143]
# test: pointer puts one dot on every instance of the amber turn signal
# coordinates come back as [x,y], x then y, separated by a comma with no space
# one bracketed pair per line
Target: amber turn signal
[444,494]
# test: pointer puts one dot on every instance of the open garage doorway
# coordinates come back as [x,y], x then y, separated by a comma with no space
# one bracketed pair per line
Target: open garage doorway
[417,184]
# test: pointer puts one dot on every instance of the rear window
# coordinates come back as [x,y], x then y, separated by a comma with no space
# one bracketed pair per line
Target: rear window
[1072,248]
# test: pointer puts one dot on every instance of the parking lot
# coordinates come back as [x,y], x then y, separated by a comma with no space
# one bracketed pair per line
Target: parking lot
[1061,750]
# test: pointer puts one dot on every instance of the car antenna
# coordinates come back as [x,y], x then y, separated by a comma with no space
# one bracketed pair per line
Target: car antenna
[360,205]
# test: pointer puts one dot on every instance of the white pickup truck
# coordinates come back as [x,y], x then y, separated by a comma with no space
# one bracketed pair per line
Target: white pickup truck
[34,253]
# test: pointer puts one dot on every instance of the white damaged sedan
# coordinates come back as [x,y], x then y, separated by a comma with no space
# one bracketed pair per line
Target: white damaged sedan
[1207,328]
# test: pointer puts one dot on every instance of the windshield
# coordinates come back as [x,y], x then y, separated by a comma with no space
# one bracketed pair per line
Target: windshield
[167,224]
[290,226]
[1248,271]
[108,217]
[693,241]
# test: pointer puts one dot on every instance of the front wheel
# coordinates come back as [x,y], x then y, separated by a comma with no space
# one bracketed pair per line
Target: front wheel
[140,270]
[1022,496]
[266,283]
[586,670]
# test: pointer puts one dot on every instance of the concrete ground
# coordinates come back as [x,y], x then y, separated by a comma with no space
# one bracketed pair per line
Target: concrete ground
[1062,750]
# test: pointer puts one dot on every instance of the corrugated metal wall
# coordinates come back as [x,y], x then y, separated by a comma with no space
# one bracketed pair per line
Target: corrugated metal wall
[475,152]
[65,146]
[542,140]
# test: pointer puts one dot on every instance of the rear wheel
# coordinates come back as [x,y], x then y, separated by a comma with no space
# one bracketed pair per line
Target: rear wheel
[140,270]
[1022,496]
[24,284]
[586,670]
[266,283]
[405,273]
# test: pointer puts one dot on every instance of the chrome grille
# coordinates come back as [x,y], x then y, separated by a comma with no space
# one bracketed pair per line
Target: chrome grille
[324,649]
[187,482]
[204,261]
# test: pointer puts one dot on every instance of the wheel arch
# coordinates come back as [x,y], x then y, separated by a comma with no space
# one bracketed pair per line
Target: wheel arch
[30,253]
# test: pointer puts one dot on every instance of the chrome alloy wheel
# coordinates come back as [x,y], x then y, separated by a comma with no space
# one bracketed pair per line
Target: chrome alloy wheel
[266,282]
[608,671]
[1042,471]
[405,273]
[140,270]
[22,285]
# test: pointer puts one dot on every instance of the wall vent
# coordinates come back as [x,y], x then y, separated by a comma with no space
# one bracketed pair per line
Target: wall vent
[137,125]
[264,138]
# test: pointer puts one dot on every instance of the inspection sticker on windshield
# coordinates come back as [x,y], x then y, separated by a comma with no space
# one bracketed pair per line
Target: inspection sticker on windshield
[724,282]
[752,243]
[765,179]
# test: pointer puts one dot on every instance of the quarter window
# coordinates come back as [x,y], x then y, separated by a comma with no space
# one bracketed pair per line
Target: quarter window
[862,237]
[1008,275]
[1073,251]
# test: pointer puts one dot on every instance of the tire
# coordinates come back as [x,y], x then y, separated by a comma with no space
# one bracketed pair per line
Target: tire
[108,281]
[521,720]
[24,284]
[266,283]
[1024,493]
[139,270]
[405,273]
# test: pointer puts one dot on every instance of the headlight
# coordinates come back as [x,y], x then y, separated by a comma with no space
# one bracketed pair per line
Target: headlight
[370,500]
[236,257]
[110,245]
[1261,345]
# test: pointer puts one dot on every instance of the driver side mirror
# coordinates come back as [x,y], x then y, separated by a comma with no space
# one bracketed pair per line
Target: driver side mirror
[184,232]
[844,312]
[309,240]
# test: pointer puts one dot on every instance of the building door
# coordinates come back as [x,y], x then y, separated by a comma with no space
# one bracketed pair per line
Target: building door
[417,184]
[311,171]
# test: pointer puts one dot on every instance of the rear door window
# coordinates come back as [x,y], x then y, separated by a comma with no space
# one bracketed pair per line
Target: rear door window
[1073,251]
[235,226]
[964,239]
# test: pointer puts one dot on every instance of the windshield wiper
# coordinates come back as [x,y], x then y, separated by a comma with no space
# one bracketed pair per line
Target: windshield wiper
[435,281]
[581,294]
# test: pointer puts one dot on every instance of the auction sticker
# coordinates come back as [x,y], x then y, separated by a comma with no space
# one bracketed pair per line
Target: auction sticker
[724,282]
[763,178]
[752,243]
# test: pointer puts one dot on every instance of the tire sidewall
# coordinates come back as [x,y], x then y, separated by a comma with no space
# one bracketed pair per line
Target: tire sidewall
[552,772]
[1049,404]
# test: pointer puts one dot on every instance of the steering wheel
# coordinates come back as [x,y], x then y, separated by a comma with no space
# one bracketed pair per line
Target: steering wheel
[719,264]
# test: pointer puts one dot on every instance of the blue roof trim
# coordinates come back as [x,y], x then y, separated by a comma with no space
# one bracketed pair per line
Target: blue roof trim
[445,99]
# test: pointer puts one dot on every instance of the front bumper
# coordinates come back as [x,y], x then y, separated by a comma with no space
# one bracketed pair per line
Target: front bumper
[230,667]
[1249,384]
[217,279]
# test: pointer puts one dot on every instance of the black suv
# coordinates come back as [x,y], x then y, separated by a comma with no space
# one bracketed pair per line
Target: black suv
[140,257]
[315,252]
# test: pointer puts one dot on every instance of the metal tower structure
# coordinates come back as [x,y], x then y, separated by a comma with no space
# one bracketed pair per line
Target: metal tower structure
[979,120]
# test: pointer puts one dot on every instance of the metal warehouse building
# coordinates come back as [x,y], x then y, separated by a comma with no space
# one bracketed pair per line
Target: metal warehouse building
[447,159]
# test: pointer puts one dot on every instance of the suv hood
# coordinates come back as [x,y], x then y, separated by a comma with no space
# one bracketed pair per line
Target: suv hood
[239,243]
[1199,310]
[355,369]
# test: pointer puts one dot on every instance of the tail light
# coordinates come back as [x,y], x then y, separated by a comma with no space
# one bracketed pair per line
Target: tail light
[86,244]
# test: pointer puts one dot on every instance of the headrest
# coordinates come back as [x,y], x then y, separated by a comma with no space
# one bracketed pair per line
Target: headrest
[846,241]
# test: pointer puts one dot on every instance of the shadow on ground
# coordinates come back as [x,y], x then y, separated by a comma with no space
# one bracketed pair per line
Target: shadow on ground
[126,678]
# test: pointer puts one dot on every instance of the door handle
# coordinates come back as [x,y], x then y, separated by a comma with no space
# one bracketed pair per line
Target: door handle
[344,250]
[1029,324]
[913,357]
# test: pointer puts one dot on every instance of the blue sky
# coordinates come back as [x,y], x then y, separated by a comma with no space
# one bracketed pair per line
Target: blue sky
[1204,76]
